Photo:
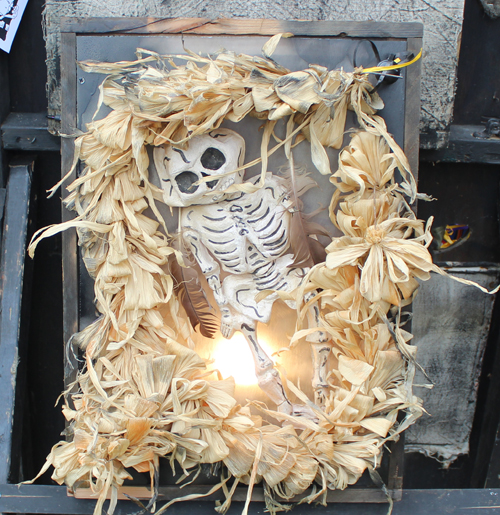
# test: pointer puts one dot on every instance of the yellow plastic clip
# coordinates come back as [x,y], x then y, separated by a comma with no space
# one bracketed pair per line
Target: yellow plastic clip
[377,69]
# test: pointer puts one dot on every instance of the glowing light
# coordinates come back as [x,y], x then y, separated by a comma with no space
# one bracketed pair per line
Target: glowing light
[234,358]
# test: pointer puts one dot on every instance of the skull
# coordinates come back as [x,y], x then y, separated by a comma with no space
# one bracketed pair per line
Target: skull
[210,155]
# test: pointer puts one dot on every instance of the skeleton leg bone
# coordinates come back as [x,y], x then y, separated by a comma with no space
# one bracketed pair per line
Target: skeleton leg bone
[320,350]
[320,353]
[267,376]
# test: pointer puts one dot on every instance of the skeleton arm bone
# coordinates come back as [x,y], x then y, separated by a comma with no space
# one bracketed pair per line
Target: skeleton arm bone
[209,266]
[211,270]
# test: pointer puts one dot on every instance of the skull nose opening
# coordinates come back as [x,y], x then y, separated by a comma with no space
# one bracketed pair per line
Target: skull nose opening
[185,182]
[210,184]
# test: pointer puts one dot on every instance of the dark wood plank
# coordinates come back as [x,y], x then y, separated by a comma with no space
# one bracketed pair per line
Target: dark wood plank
[493,473]
[27,68]
[69,240]
[396,468]
[28,131]
[14,242]
[478,74]
[486,465]
[53,500]
[412,107]
[464,147]
[4,110]
[349,495]
[240,27]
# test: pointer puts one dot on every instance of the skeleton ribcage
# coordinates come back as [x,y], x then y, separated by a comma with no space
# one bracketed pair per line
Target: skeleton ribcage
[246,234]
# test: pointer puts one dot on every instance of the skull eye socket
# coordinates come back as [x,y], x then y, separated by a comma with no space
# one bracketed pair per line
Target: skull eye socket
[212,158]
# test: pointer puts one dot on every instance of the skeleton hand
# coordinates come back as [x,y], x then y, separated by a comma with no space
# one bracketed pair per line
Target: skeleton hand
[214,283]
[226,323]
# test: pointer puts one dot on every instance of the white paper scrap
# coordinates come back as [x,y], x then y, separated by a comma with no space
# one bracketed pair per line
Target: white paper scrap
[11,12]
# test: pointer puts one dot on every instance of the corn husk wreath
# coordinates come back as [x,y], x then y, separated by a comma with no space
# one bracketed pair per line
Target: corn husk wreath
[144,392]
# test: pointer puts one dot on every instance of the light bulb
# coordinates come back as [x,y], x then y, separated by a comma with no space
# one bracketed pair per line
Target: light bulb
[234,358]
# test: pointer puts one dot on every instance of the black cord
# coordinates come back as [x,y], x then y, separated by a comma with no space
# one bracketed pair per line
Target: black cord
[374,48]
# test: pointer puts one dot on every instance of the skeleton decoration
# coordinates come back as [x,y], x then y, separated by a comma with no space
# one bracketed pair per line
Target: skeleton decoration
[243,235]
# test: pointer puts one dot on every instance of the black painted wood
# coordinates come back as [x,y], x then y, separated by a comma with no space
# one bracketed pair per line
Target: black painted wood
[465,147]
[27,70]
[4,110]
[463,196]
[478,91]
[487,445]
[28,132]
[12,274]
[54,500]
[43,421]
[493,472]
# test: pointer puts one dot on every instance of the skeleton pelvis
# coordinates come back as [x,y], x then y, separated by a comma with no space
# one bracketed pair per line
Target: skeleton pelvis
[240,290]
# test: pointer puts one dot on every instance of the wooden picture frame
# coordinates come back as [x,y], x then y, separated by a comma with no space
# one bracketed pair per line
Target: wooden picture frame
[74,28]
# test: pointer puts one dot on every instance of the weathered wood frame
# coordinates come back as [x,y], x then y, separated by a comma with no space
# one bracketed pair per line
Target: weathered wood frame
[71,28]
[17,204]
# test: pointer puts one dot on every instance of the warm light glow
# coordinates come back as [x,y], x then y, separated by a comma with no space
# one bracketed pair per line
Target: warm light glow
[234,358]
